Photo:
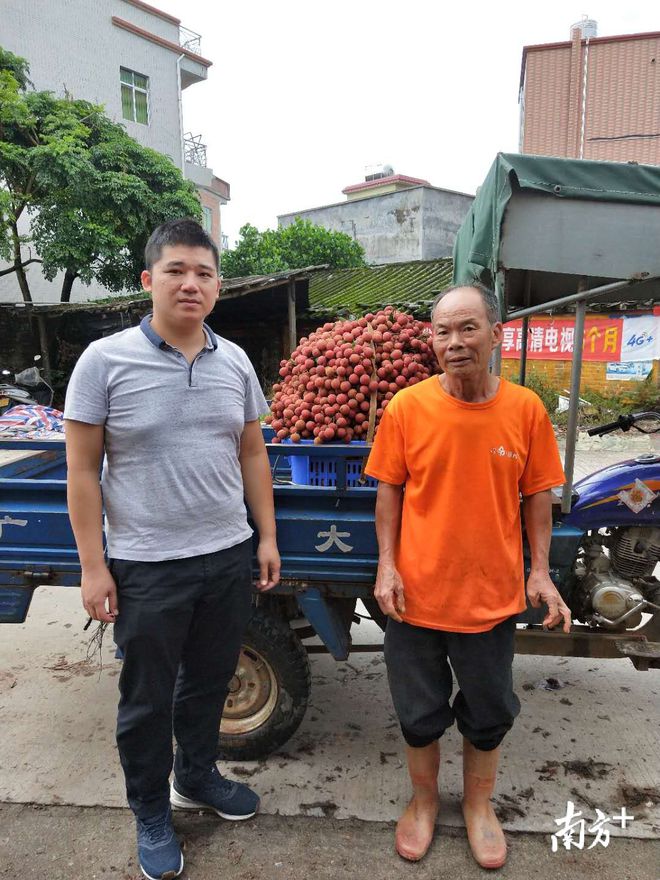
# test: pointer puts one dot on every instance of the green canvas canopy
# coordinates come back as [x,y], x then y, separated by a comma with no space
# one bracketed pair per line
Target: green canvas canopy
[549,233]
[539,226]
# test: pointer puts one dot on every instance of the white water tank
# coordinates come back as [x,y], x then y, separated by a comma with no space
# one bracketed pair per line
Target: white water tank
[587,26]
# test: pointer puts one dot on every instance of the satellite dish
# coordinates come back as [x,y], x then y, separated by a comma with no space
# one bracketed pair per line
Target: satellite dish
[388,171]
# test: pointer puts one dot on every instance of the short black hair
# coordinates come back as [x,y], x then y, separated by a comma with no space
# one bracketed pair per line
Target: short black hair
[183,231]
[489,297]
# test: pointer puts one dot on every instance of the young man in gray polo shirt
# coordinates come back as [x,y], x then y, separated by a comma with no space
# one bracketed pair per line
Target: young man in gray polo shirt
[173,411]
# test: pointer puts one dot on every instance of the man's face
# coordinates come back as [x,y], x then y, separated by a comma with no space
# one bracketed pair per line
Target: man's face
[184,284]
[463,337]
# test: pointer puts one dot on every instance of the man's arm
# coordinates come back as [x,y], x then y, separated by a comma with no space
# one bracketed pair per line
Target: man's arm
[258,487]
[84,451]
[389,586]
[537,511]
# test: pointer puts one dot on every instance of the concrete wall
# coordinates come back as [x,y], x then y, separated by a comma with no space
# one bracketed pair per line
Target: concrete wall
[43,291]
[419,223]
[73,45]
[164,26]
[443,214]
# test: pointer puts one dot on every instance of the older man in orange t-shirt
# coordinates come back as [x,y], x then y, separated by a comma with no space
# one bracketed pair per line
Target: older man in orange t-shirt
[465,445]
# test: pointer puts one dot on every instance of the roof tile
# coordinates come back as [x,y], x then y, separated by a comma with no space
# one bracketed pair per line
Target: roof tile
[409,286]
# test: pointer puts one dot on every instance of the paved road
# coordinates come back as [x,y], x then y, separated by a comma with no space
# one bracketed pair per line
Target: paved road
[69,843]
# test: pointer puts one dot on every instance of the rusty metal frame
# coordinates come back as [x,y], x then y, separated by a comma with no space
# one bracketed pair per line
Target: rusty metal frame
[580,642]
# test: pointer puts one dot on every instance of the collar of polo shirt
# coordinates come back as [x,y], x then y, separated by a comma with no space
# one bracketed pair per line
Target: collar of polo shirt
[159,342]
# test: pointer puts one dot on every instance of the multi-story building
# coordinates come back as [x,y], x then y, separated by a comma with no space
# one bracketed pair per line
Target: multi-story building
[133,59]
[394,217]
[592,97]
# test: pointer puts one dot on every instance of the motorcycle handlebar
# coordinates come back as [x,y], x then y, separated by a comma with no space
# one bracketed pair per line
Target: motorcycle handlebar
[605,429]
[623,422]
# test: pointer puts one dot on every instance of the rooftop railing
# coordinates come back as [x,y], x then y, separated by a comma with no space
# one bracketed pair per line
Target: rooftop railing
[190,40]
[194,149]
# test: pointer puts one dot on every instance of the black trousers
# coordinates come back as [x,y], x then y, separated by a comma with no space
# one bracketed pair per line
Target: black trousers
[180,627]
[421,682]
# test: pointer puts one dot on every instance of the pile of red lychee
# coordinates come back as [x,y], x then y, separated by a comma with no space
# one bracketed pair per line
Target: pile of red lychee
[341,377]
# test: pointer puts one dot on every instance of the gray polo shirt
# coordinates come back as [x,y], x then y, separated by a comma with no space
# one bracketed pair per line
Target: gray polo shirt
[172,485]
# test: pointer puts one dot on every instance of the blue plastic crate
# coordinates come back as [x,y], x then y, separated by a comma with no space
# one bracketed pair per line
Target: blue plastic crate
[317,470]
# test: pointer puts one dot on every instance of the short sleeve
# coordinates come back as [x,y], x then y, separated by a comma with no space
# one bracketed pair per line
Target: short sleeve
[543,468]
[255,402]
[87,392]
[387,459]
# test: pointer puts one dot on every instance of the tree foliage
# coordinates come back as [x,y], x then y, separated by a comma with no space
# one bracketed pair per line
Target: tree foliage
[92,193]
[291,247]
[18,67]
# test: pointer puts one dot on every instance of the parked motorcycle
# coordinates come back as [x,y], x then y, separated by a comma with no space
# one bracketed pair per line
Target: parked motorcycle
[618,515]
[28,388]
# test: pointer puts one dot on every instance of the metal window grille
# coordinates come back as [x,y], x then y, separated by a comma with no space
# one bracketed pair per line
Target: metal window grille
[134,96]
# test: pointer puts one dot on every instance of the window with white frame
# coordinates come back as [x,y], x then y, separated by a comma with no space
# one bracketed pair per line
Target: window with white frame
[207,219]
[134,96]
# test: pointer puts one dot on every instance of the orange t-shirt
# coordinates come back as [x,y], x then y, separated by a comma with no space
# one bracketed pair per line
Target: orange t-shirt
[464,466]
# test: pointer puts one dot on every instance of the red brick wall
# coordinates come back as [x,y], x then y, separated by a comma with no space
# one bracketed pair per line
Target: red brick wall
[623,98]
[547,80]
[558,375]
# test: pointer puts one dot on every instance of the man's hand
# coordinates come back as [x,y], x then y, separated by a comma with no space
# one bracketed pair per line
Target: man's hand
[258,488]
[541,590]
[99,594]
[268,558]
[389,591]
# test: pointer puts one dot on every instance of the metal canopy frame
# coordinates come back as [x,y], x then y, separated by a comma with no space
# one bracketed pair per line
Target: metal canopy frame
[564,248]
[550,246]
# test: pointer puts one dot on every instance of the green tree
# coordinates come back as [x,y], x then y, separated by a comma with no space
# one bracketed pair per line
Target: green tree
[91,192]
[17,66]
[292,247]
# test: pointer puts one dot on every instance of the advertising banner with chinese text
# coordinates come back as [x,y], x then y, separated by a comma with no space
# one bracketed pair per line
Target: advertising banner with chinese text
[553,339]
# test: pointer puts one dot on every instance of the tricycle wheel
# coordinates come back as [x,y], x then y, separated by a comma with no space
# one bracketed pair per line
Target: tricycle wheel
[268,693]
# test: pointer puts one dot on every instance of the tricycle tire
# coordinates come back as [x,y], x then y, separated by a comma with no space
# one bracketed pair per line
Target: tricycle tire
[268,694]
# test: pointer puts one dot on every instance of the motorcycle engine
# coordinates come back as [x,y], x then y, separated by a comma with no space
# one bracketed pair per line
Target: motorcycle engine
[635,551]
[608,586]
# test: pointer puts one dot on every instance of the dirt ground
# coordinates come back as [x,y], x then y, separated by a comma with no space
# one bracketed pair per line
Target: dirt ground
[79,843]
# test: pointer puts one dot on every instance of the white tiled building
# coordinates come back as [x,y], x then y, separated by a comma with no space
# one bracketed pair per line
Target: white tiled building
[133,59]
